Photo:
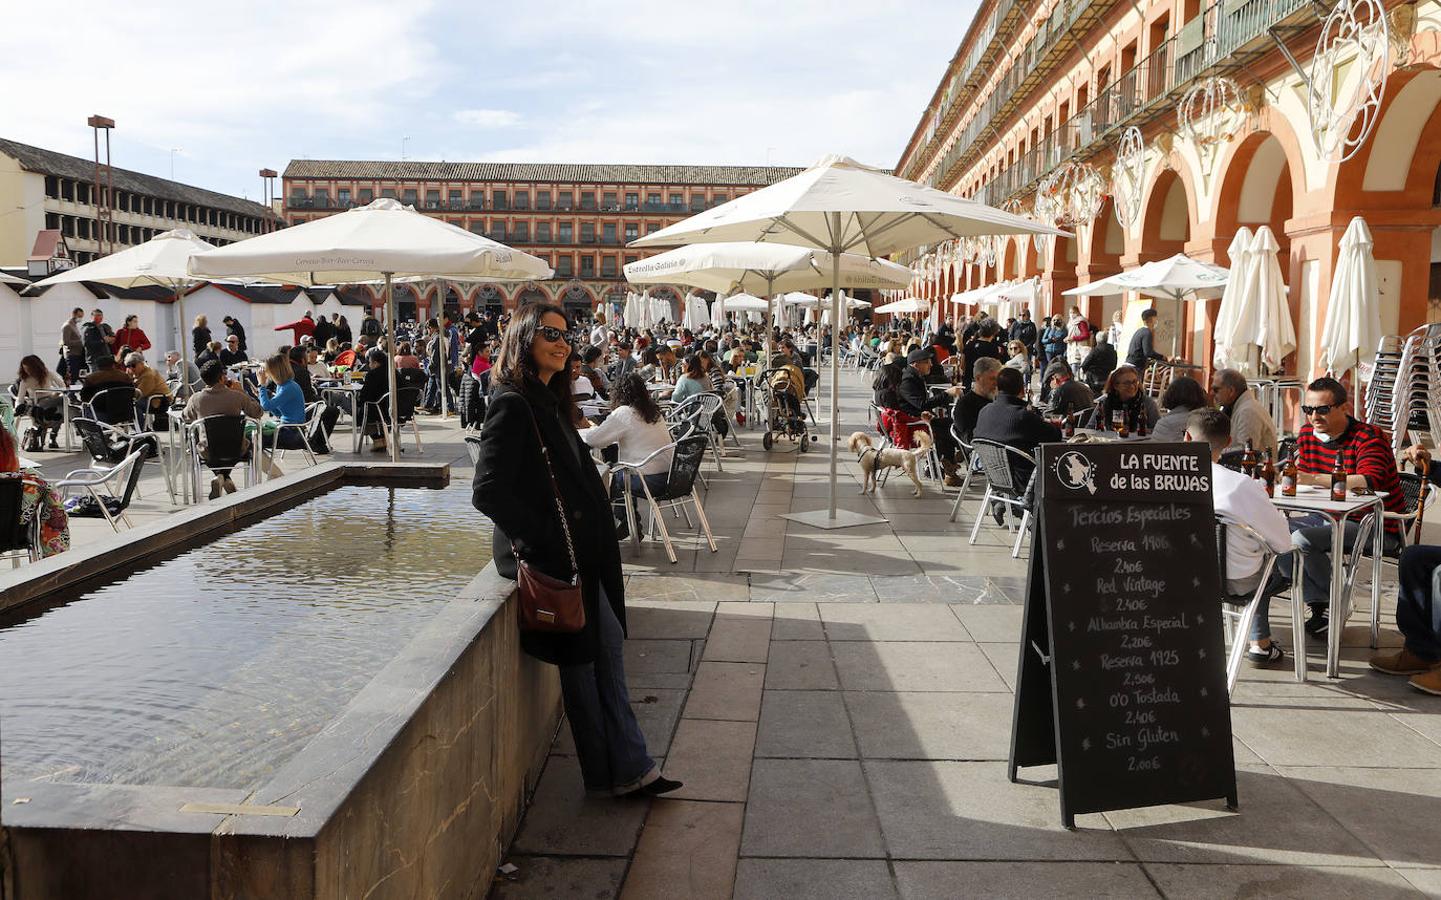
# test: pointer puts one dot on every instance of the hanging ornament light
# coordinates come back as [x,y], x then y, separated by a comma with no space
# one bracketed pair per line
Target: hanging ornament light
[1356,35]
[1212,112]
[1074,192]
[1128,176]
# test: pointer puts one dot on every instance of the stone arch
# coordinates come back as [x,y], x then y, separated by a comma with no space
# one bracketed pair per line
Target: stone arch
[488,296]
[673,295]
[1166,216]
[530,292]
[1259,180]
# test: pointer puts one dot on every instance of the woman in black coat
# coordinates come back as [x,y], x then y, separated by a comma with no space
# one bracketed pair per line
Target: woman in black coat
[513,488]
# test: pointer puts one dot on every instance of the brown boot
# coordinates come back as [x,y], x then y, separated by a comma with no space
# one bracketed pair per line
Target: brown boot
[1403,662]
[1428,682]
[953,475]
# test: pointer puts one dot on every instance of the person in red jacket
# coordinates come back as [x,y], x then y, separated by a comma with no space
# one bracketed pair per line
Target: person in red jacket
[303,327]
[130,337]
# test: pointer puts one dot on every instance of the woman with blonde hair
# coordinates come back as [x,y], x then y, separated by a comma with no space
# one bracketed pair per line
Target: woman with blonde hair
[200,335]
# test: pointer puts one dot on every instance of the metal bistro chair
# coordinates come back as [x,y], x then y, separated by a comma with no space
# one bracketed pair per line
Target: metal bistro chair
[679,490]
[407,399]
[1419,496]
[18,539]
[126,473]
[972,464]
[472,446]
[700,410]
[301,429]
[1238,611]
[224,440]
[995,460]
[115,406]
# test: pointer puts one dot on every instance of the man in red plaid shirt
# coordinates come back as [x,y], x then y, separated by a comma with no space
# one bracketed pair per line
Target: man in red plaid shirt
[1369,463]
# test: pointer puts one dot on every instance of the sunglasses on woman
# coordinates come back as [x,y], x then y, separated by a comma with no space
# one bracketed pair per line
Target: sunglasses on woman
[550,333]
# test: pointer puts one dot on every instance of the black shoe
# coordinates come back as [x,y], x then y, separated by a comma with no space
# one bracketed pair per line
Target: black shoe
[622,529]
[661,785]
[998,512]
[1271,657]
[1319,622]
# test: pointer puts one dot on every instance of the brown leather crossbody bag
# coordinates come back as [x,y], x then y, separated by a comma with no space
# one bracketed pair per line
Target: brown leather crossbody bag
[550,604]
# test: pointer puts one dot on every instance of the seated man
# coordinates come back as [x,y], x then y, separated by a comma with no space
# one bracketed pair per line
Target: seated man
[1420,656]
[221,397]
[153,390]
[104,373]
[231,354]
[1244,500]
[192,381]
[1007,420]
[1366,457]
[916,400]
[983,389]
[1250,421]
[1067,394]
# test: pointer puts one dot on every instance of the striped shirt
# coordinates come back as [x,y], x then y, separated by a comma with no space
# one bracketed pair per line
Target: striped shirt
[1364,450]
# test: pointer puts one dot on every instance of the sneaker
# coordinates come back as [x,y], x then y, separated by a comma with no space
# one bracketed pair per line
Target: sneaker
[1428,682]
[1319,622]
[1268,658]
[1403,662]
[215,488]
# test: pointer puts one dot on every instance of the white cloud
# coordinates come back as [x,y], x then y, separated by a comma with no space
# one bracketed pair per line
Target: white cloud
[487,118]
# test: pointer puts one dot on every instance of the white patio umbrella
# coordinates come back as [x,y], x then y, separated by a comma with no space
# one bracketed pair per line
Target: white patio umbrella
[718,311]
[841,206]
[696,315]
[11,279]
[904,305]
[1179,278]
[1230,329]
[164,260]
[1276,335]
[1353,312]
[378,241]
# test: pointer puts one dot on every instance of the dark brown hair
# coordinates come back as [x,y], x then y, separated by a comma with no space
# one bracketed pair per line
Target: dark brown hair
[515,365]
[631,391]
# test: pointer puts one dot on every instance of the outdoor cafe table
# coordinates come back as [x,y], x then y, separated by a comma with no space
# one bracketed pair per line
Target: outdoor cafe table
[67,395]
[1312,499]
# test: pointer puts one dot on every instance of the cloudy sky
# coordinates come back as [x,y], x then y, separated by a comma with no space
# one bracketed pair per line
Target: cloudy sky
[237,86]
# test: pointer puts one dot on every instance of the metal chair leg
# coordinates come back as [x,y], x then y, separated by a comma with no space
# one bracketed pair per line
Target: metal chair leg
[1021,534]
[980,514]
[704,523]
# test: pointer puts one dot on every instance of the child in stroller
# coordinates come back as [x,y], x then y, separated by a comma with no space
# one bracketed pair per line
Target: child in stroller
[785,383]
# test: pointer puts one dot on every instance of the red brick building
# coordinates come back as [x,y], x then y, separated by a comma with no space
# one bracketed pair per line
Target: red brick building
[576,217]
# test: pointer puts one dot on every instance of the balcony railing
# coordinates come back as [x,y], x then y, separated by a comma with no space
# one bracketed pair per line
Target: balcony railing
[1207,41]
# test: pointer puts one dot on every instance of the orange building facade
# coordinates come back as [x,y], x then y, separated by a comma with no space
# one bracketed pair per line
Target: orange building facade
[1177,123]
[578,218]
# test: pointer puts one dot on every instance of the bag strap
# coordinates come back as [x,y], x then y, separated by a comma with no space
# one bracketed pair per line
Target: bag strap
[555,492]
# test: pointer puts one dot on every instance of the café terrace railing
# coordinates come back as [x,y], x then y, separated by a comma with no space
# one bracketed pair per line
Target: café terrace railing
[1209,42]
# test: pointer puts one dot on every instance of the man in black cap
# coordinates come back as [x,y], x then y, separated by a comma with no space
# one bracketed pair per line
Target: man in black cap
[918,401]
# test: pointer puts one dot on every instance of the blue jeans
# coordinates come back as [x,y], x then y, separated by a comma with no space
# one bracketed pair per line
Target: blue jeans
[1416,608]
[656,483]
[608,743]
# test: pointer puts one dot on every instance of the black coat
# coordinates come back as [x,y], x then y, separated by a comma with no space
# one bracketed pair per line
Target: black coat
[915,398]
[324,331]
[513,489]
[1008,421]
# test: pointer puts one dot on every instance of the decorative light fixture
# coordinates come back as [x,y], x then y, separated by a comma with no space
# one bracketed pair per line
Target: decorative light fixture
[1128,176]
[1075,192]
[1355,34]
[1211,113]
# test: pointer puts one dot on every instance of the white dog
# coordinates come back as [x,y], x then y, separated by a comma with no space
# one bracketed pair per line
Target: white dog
[872,460]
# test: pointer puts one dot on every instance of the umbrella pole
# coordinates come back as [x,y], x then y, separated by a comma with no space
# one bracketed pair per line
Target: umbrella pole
[185,384]
[390,324]
[441,290]
[835,357]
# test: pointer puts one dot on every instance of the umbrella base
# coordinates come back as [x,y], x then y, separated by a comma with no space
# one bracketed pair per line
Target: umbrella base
[845,518]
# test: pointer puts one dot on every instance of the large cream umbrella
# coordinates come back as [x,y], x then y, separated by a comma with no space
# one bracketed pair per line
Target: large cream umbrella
[1230,328]
[164,260]
[841,206]
[1353,312]
[379,241]
[1178,278]
[1276,335]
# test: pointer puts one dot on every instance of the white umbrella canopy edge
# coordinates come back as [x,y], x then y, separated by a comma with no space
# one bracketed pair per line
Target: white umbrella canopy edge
[379,241]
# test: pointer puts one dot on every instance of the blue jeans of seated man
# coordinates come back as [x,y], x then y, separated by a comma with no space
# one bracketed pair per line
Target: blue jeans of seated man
[1418,616]
[608,742]
[656,483]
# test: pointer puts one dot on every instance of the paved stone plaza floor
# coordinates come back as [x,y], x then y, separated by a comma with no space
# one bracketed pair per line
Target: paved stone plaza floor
[838,705]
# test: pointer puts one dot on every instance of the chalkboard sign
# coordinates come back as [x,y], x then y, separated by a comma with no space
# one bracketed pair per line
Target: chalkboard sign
[1122,678]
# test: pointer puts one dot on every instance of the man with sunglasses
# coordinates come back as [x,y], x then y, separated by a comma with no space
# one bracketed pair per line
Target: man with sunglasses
[1365,452]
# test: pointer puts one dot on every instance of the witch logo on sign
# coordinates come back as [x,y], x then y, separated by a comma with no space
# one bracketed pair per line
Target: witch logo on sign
[1076,472]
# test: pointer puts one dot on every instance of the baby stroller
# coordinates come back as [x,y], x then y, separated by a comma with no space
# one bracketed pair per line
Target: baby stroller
[785,412]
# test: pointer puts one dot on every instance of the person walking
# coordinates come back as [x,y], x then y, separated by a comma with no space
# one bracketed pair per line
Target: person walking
[72,343]
[98,338]
[200,336]
[532,460]
[233,327]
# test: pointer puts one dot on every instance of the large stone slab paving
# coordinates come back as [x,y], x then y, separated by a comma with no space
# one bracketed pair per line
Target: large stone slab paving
[652,656]
[668,619]
[713,759]
[801,666]
[813,879]
[914,666]
[936,589]
[813,588]
[563,821]
[810,724]
[797,622]
[1300,883]
[688,849]
[726,690]
[740,638]
[1338,734]
[561,878]
[968,810]
[1276,824]
[1022,880]
[931,725]
[891,622]
[810,808]
[1382,807]
[992,623]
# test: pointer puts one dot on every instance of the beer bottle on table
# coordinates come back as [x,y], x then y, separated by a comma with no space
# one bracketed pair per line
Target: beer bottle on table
[1121,427]
[1338,480]
[1288,477]
[1248,460]
[1268,473]
[1141,424]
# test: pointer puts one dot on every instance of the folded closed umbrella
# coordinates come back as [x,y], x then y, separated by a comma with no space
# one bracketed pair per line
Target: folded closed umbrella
[1234,318]
[1352,330]
[1276,333]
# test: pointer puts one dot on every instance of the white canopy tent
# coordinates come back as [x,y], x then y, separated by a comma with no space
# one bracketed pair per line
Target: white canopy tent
[1352,331]
[163,260]
[379,241]
[841,206]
